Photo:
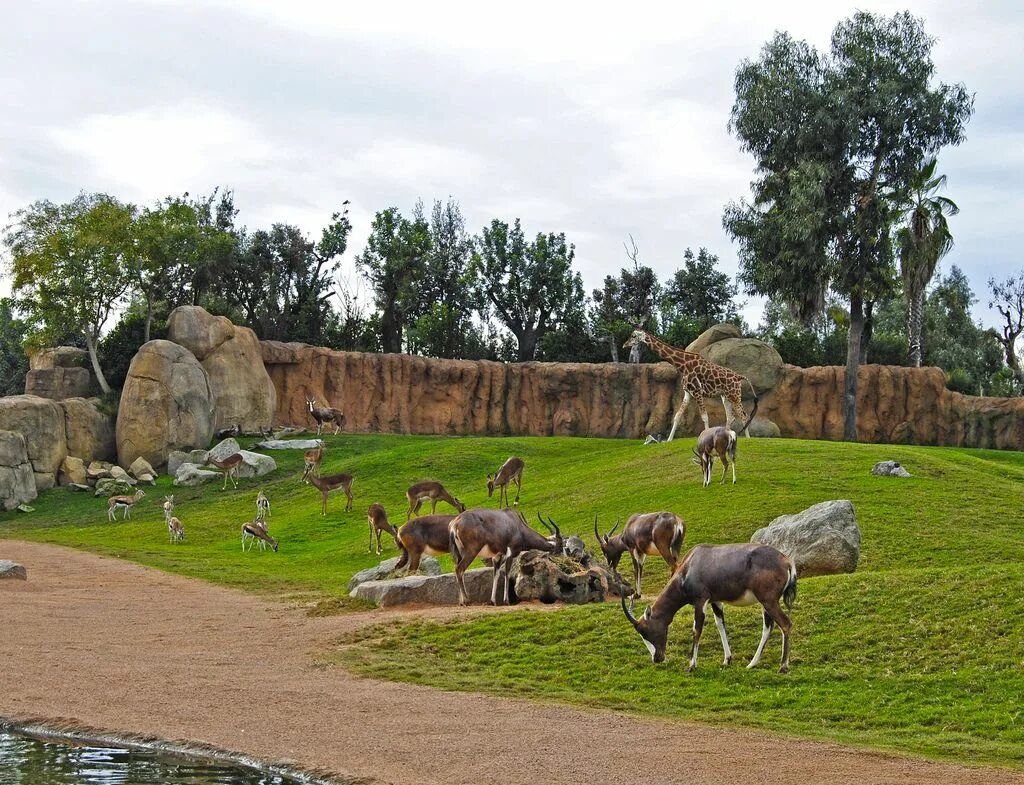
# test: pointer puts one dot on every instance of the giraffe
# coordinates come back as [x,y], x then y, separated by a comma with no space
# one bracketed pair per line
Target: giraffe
[701,379]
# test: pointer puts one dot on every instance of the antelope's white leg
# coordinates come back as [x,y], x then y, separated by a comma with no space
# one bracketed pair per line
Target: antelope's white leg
[720,623]
[733,471]
[508,571]
[764,639]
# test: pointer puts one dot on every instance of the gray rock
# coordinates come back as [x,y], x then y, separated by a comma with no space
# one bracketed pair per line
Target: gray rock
[288,444]
[427,589]
[147,478]
[198,456]
[10,569]
[117,473]
[821,540]
[98,470]
[751,357]
[72,470]
[110,486]
[190,475]
[75,486]
[713,335]
[763,427]
[255,464]
[537,575]
[139,467]
[41,422]
[386,569]
[225,448]
[17,482]
[575,547]
[174,459]
[889,469]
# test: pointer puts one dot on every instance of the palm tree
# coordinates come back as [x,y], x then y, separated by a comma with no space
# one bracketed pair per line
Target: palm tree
[922,242]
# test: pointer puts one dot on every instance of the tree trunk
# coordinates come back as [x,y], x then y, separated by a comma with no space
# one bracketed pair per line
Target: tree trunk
[149,318]
[852,364]
[527,345]
[915,316]
[634,354]
[90,343]
[869,329]
[614,344]
[390,332]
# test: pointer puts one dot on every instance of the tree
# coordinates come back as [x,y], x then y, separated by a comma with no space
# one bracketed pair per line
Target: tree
[531,285]
[13,361]
[624,302]
[922,241]
[833,136]
[393,263]
[70,266]
[1007,297]
[696,297]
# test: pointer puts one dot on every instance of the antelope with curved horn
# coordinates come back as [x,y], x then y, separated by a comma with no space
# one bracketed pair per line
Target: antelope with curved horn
[510,471]
[256,531]
[124,503]
[324,415]
[229,467]
[378,520]
[499,535]
[427,534]
[430,491]
[718,440]
[331,483]
[646,534]
[313,459]
[741,574]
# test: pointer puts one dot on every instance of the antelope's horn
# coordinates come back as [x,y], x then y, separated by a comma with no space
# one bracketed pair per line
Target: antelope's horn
[629,614]
[545,523]
[596,532]
[616,526]
[555,528]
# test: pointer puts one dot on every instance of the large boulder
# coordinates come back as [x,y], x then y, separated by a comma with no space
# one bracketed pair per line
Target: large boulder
[58,373]
[17,483]
[72,472]
[764,428]
[753,358]
[233,360]
[427,589]
[255,464]
[222,450]
[713,335]
[821,540]
[41,422]
[190,475]
[166,404]
[140,468]
[537,575]
[90,432]
[386,569]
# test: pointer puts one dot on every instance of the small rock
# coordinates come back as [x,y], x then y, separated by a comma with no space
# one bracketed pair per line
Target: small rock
[427,589]
[190,475]
[575,548]
[10,569]
[117,473]
[198,457]
[110,486]
[255,464]
[139,467]
[386,569]
[147,478]
[74,486]
[821,540]
[174,459]
[762,427]
[288,444]
[889,469]
[25,508]
[98,470]
[72,471]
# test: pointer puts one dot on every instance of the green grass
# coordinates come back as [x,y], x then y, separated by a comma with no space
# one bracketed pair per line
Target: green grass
[921,650]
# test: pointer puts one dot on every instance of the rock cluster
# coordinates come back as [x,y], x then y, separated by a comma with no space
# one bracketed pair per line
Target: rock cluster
[537,575]
[59,373]
[821,540]
[386,569]
[426,589]
[17,483]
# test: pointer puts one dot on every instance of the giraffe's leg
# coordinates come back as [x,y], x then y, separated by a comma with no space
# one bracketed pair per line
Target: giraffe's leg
[737,405]
[728,411]
[679,414]
[703,412]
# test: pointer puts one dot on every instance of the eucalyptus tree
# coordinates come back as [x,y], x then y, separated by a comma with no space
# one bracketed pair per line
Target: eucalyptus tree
[1007,297]
[832,134]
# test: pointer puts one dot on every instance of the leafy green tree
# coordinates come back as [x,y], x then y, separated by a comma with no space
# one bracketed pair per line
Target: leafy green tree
[531,285]
[923,240]
[13,360]
[1007,297]
[833,134]
[119,345]
[696,297]
[71,268]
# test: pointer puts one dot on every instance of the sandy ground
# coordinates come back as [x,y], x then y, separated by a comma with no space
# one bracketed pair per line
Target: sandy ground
[124,648]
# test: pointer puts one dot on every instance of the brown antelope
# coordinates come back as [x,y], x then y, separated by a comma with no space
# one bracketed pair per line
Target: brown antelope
[720,440]
[378,520]
[313,459]
[432,491]
[510,471]
[324,415]
[175,529]
[499,535]
[168,507]
[229,467]
[741,574]
[256,531]
[646,534]
[123,502]
[427,534]
[331,483]
[262,506]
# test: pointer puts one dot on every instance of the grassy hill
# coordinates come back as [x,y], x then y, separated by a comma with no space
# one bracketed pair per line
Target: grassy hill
[921,650]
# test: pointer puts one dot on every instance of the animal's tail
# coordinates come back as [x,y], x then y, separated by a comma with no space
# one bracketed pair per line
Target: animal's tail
[753,411]
[730,448]
[677,540]
[453,545]
[789,592]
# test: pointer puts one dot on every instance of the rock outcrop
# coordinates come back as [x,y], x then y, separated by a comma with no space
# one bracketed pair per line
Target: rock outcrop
[427,589]
[231,356]
[17,483]
[166,404]
[536,575]
[755,359]
[386,569]
[821,540]
[59,373]
[41,422]
[712,335]
[90,432]
[72,472]
[190,475]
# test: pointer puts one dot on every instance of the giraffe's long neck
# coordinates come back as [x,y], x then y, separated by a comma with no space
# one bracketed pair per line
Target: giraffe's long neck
[666,351]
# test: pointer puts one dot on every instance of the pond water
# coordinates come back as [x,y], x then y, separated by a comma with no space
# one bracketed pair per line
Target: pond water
[27,760]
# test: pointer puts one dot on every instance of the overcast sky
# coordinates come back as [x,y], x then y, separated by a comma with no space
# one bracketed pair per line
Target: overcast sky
[595,123]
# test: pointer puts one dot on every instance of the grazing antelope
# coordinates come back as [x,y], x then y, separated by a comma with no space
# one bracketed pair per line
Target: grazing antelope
[741,574]
[331,483]
[500,535]
[432,491]
[720,440]
[123,502]
[262,506]
[510,471]
[313,459]
[324,415]
[175,529]
[427,534]
[378,520]
[168,507]
[256,531]
[229,467]
[646,534]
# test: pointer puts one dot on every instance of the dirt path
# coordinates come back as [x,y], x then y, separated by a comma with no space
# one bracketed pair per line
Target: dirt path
[124,648]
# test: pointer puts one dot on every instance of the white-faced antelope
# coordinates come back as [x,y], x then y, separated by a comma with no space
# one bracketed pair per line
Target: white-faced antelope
[324,415]
[646,534]
[262,506]
[175,529]
[256,531]
[378,520]
[228,466]
[719,441]
[499,535]
[168,507]
[427,534]
[331,483]
[114,503]
[741,574]
[510,471]
[430,491]
[313,458]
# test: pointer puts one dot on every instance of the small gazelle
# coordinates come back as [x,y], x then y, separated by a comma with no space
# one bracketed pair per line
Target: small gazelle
[262,506]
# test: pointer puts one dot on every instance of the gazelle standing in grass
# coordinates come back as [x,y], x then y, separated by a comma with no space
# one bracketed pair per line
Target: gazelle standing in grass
[510,471]
[742,574]
[175,529]
[331,483]
[427,534]
[646,534]
[229,467]
[718,440]
[262,506]
[168,507]
[378,520]
[313,458]
[430,491]
[324,415]
[256,531]
[114,503]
